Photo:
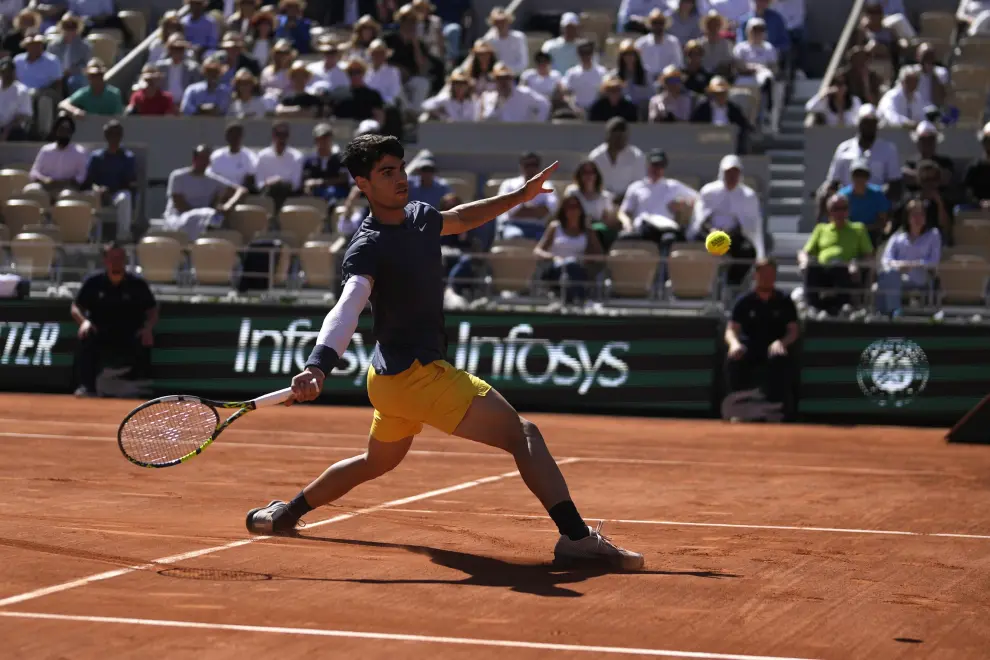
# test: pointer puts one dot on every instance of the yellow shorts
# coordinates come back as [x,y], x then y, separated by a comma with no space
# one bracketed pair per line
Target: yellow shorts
[437,394]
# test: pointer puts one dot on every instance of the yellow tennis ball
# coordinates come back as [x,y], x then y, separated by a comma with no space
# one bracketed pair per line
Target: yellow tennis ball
[718,242]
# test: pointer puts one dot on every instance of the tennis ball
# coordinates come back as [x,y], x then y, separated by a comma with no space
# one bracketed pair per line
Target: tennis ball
[718,242]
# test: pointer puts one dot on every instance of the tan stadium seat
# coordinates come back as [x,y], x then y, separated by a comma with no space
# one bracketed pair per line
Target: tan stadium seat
[12,182]
[535,41]
[937,24]
[227,235]
[75,220]
[491,187]
[213,260]
[19,212]
[33,255]
[313,201]
[512,267]
[299,223]
[317,261]
[136,23]
[159,258]
[942,47]
[518,242]
[181,237]
[104,48]
[610,53]
[39,197]
[972,230]
[687,245]
[692,274]
[970,78]
[963,279]
[748,99]
[971,106]
[249,220]
[464,185]
[974,51]
[88,196]
[259,200]
[4,234]
[599,23]
[51,231]
[632,267]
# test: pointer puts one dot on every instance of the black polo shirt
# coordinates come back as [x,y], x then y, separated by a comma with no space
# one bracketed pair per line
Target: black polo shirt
[978,178]
[762,322]
[116,310]
[356,103]
[318,167]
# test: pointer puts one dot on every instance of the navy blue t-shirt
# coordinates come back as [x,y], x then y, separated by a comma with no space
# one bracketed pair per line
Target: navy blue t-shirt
[407,299]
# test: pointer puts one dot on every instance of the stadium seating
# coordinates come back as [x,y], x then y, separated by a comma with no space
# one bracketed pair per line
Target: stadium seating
[75,220]
[633,267]
[33,255]
[213,260]
[20,212]
[159,259]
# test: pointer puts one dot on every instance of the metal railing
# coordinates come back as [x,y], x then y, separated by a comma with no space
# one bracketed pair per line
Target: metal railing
[842,46]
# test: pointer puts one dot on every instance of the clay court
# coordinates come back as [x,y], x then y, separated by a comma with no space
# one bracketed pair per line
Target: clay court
[760,542]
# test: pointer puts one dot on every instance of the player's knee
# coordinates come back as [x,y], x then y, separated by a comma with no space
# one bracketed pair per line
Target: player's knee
[377,465]
[530,438]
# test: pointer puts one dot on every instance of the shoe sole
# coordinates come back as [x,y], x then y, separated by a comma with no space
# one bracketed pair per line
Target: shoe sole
[617,565]
[247,519]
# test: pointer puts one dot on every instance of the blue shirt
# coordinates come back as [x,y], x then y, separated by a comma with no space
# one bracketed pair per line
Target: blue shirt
[777,32]
[298,34]
[202,32]
[92,7]
[927,249]
[865,208]
[432,195]
[407,298]
[199,93]
[115,171]
[38,74]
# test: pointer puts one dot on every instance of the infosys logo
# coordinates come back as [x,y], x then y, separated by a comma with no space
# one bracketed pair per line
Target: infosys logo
[565,363]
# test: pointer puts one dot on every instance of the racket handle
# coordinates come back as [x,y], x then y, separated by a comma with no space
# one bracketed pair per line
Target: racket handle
[274,398]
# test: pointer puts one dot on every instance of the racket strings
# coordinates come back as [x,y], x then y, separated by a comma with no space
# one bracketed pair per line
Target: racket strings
[168,430]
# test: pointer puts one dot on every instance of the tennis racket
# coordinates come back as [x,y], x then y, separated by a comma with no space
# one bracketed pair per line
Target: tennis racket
[172,429]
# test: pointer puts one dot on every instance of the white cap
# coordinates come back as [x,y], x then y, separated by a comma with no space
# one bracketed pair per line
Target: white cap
[925,129]
[985,133]
[866,111]
[368,126]
[730,162]
[570,18]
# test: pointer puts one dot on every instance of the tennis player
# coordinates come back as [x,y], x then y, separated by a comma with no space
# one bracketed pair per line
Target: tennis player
[394,261]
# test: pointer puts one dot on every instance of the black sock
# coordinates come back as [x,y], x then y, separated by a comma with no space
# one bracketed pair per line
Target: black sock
[569,521]
[297,508]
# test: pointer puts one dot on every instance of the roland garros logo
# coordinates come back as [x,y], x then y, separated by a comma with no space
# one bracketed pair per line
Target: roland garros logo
[892,372]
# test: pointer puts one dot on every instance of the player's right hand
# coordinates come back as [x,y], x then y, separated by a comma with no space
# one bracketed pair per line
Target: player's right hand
[306,385]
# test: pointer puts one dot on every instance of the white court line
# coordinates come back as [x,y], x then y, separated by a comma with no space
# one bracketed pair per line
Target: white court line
[395,637]
[587,459]
[173,559]
[681,523]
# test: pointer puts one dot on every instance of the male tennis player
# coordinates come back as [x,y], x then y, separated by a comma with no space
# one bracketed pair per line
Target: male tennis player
[394,261]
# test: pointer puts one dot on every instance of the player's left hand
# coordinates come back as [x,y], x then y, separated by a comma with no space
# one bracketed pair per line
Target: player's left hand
[537,185]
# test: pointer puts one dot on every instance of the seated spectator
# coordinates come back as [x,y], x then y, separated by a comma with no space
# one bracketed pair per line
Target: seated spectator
[291,25]
[761,331]
[619,162]
[894,17]
[776,29]
[72,51]
[909,259]
[101,14]
[582,82]
[885,163]
[280,167]
[199,28]
[927,137]
[150,99]
[638,86]
[480,65]
[977,179]
[611,102]
[756,63]
[298,100]
[567,240]
[793,13]
[684,20]
[275,76]
[237,59]
[696,77]
[25,24]
[36,68]
[938,206]
[240,20]
[424,184]
[836,106]
[198,199]
[563,49]
[872,29]
[411,56]
[431,30]
[969,11]
[323,171]
[902,106]
[208,96]
[717,58]
[509,103]
[382,76]
[542,78]
[112,174]
[510,45]
[528,220]
[178,71]
[654,206]
[60,165]
[97,98]
[358,101]
[632,14]
[831,260]
[9,9]
[261,37]
[933,79]
[168,25]
[235,162]
[246,102]
[659,49]
[864,83]
[15,104]
[366,30]
[868,205]
[673,103]
[116,313]
[328,72]
[730,205]
[598,203]
[718,110]
[457,104]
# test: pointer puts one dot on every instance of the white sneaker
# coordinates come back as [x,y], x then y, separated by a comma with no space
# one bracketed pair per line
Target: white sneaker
[596,547]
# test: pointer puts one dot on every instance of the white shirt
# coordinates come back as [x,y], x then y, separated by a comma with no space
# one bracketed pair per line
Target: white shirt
[885,162]
[512,51]
[547,199]
[387,81]
[563,53]
[732,10]
[584,83]
[61,164]
[763,54]
[896,109]
[287,167]
[451,109]
[725,208]
[792,12]
[980,25]
[925,80]
[629,166]
[970,9]
[652,198]
[14,100]
[173,83]
[231,166]
[334,77]
[659,55]
[595,208]
[542,85]
[275,80]
[819,104]
[522,105]
[720,115]
[254,108]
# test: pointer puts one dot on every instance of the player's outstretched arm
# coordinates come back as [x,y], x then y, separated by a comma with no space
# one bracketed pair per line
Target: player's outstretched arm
[474,214]
[335,334]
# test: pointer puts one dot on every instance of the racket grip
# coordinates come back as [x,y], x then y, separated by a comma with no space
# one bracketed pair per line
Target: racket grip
[274,398]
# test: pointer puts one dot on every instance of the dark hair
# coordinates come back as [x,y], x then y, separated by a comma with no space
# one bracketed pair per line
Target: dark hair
[531,155]
[110,246]
[847,105]
[476,71]
[598,175]
[638,73]
[561,215]
[366,151]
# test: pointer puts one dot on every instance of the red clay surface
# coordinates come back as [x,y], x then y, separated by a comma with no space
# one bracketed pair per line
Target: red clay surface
[467,572]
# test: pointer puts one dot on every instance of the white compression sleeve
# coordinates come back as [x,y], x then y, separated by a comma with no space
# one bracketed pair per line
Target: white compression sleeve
[340,324]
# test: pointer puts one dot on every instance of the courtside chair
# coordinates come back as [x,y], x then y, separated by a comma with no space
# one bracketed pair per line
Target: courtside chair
[692,276]
[249,220]
[12,182]
[974,51]
[312,201]
[33,256]
[464,183]
[298,223]
[937,25]
[318,260]
[104,47]
[632,268]
[159,259]
[259,200]
[963,278]
[970,78]
[88,196]
[213,261]
[230,235]
[511,269]
[136,22]
[39,197]
[75,219]
[18,213]
[516,242]
[972,229]
[48,230]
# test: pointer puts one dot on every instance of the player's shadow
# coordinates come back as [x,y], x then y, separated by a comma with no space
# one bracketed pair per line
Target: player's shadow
[537,579]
